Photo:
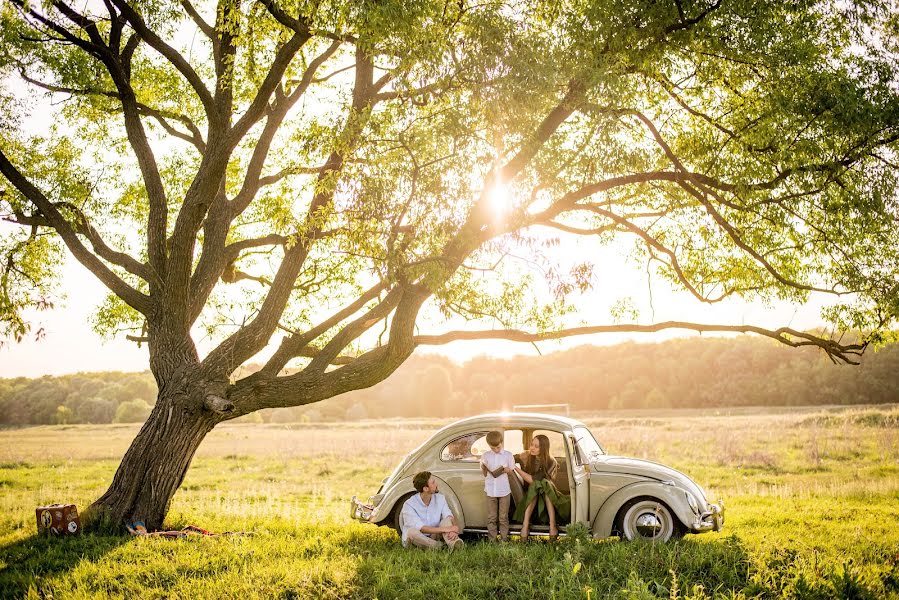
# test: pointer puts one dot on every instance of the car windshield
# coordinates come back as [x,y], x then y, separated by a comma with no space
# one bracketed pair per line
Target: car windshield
[587,444]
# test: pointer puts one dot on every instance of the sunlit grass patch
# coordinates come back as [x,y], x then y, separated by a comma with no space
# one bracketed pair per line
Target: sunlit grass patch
[799,523]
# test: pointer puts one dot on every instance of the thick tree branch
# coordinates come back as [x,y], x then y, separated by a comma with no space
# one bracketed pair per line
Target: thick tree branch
[260,103]
[129,295]
[250,339]
[233,249]
[222,213]
[88,25]
[293,345]
[119,69]
[731,231]
[847,353]
[116,26]
[202,25]
[686,23]
[354,329]
[175,58]
[252,178]
[574,95]
[82,226]
[285,19]
[224,51]
[310,386]
[313,352]
[214,257]
[569,200]
[157,222]
[160,115]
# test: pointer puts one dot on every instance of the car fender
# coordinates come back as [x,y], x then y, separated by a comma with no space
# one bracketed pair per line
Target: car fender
[396,491]
[403,487]
[672,496]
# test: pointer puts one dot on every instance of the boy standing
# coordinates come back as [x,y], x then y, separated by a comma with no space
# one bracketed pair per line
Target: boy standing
[496,465]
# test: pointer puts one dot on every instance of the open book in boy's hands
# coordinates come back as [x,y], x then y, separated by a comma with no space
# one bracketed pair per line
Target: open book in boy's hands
[498,471]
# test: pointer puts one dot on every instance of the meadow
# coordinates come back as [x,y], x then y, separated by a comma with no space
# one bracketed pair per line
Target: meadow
[812,512]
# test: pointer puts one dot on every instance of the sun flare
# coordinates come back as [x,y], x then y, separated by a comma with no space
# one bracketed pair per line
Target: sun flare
[500,198]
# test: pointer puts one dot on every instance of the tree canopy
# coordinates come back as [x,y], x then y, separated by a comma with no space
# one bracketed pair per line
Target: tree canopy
[317,152]
[329,172]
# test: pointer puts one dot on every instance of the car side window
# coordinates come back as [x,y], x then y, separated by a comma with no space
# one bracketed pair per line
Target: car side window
[467,448]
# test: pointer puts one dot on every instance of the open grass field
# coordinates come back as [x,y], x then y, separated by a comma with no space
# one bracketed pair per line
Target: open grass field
[812,512]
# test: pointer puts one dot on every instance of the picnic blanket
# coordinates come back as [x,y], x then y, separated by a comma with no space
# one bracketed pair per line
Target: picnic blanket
[139,529]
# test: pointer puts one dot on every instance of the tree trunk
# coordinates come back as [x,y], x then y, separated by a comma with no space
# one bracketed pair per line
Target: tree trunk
[154,466]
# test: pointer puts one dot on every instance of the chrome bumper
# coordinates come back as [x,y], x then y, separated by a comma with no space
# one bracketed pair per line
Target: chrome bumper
[711,520]
[360,511]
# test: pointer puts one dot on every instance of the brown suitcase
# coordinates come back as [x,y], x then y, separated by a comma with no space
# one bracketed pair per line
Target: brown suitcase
[58,519]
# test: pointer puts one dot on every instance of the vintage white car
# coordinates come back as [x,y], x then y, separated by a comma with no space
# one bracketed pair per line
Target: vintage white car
[612,495]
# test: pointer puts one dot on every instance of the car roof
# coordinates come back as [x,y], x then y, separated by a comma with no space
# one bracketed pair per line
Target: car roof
[511,419]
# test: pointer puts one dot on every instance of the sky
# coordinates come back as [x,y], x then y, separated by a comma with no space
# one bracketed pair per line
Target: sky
[71,346]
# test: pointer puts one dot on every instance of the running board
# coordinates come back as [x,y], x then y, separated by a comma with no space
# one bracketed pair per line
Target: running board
[513,532]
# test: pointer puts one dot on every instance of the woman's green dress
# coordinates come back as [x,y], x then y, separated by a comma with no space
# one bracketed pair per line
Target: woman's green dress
[543,487]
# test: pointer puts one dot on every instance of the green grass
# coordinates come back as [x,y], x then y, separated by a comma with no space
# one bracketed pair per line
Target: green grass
[812,512]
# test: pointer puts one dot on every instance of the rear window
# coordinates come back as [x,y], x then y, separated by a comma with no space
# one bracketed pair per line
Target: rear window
[466,448]
[472,446]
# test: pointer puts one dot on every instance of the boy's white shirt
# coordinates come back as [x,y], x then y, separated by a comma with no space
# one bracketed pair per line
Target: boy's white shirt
[497,487]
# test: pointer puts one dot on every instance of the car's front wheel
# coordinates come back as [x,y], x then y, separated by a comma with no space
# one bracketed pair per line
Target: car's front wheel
[397,511]
[647,519]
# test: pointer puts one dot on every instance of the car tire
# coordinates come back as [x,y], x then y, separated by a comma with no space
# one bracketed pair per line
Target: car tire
[397,510]
[647,519]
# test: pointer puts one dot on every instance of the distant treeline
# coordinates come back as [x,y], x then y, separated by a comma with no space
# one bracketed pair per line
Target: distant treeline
[110,397]
[689,373]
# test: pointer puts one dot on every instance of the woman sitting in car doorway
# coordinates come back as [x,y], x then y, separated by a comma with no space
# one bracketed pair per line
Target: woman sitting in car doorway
[537,470]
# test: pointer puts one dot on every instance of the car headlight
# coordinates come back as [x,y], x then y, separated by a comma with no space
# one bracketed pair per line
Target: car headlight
[691,500]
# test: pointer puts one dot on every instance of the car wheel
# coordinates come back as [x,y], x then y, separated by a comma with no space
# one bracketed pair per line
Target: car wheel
[397,510]
[647,519]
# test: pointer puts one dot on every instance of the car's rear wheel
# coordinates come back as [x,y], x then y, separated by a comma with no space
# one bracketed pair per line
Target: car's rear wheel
[647,519]
[397,511]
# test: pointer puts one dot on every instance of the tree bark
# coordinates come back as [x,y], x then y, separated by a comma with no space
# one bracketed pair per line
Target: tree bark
[154,466]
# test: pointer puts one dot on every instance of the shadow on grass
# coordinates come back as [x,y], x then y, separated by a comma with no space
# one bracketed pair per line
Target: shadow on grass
[36,559]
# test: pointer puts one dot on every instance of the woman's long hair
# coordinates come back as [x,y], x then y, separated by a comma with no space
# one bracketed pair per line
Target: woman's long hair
[543,459]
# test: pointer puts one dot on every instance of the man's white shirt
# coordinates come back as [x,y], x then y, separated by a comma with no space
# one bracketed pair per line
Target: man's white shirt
[497,487]
[416,515]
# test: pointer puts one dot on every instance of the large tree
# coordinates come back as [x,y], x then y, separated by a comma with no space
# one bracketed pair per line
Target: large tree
[319,175]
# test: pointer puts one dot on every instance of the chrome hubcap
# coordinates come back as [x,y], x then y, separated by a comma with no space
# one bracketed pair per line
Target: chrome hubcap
[648,525]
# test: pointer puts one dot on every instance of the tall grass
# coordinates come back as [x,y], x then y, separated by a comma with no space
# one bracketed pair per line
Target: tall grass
[811,497]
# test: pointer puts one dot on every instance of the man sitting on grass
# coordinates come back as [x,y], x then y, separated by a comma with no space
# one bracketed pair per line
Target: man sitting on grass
[426,518]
